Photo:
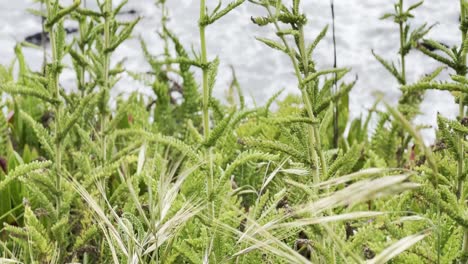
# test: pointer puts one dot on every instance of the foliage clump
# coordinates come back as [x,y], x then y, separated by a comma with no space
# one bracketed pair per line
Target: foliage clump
[183,177]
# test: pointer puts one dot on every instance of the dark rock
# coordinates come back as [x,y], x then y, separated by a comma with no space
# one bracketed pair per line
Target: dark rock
[303,245]
[430,47]
[47,118]
[349,230]
[4,165]
[71,30]
[43,37]
[38,38]
[128,12]
[368,253]
[464,121]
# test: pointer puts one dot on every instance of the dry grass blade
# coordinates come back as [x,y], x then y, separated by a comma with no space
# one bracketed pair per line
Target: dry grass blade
[272,176]
[327,219]
[256,237]
[253,228]
[398,247]
[346,178]
[141,158]
[361,191]
[167,230]
[101,215]
[413,218]
[109,241]
[270,243]
[168,191]
[298,172]
[8,261]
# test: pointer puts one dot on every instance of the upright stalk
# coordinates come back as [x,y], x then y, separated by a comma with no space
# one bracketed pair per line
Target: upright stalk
[206,100]
[401,24]
[461,111]
[81,45]
[335,87]
[305,97]
[81,85]
[56,88]
[461,176]
[402,44]
[107,36]
[43,43]
[206,121]
[313,128]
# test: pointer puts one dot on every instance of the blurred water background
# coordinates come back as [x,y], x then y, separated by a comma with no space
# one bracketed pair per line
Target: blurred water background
[260,70]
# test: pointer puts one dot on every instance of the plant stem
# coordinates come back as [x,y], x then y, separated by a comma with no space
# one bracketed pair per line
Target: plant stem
[312,131]
[81,84]
[81,44]
[402,44]
[107,11]
[336,136]
[461,176]
[206,121]
[206,101]
[313,128]
[54,71]
[401,24]
[43,44]
[81,81]
[461,113]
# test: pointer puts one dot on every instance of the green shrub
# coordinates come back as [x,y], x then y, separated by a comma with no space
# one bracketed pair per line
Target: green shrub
[197,180]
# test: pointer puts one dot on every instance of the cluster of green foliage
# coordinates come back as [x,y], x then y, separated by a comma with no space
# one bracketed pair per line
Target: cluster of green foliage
[186,178]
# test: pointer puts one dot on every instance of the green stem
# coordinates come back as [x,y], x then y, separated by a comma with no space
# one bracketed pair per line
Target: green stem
[81,77]
[461,111]
[336,114]
[43,44]
[56,89]
[206,92]
[312,131]
[206,102]
[461,176]
[402,44]
[315,131]
[107,36]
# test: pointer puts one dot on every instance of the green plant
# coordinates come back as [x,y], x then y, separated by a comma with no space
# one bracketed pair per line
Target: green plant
[398,143]
[195,180]
[442,184]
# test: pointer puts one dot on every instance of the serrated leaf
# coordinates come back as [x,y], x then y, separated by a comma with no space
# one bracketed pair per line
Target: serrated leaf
[317,40]
[13,88]
[385,16]
[272,44]
[225,11]
[50,22]
[397,248]
[77,114]
[219,130]
[124,35]
[42,134]
[23,170]
[390,67]
[415,6]
[212,73]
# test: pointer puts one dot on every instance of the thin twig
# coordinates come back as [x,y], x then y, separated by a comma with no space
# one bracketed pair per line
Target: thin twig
[335,87]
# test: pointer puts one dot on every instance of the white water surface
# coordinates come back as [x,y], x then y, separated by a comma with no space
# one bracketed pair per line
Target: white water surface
[260,70]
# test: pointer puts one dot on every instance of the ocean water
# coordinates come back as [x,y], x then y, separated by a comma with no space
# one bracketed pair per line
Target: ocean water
[260,70]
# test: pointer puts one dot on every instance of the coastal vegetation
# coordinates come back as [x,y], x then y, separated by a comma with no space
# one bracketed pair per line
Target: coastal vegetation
[184,177]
